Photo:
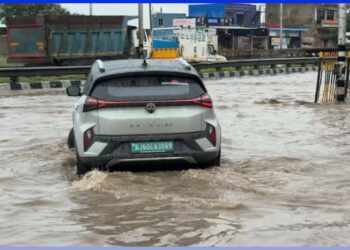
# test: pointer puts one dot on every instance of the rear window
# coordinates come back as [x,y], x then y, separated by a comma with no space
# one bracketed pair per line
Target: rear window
[147,88]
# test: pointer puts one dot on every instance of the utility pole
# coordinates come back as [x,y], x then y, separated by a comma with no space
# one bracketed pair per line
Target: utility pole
[90,9]
[150,16]
[141,32]
[340,65]
[281,25]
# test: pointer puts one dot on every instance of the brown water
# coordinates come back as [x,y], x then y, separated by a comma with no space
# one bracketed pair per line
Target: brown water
[284,180]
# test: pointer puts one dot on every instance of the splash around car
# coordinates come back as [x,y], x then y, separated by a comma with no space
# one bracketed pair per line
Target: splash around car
[143,111]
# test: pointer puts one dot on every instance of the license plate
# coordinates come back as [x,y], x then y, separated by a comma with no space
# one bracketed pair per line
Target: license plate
[151,147]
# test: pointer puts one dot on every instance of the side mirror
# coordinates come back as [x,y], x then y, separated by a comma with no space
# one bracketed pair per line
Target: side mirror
[73,91]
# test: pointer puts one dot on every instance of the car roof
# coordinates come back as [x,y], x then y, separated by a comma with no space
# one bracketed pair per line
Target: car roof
[126,67]
[134,66]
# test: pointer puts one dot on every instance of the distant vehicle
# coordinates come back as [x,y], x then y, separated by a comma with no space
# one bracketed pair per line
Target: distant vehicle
[70,40]
[192,44]
[133,110]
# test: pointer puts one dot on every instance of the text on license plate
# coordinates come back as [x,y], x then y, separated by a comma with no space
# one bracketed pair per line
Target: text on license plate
[152,147]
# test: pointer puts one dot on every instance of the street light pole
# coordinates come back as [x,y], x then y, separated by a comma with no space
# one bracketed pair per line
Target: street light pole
[141,34]
[90,9]
[340,65]
[281,26]
[150,16]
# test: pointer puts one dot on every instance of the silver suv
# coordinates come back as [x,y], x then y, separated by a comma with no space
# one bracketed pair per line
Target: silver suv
[137,110]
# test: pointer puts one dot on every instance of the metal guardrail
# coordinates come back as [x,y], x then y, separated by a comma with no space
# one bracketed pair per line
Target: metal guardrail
[257,62]
[43,71]
[15,72]
[274,53]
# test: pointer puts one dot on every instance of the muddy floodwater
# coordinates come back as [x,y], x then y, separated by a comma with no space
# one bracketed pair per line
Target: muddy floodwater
[284,179]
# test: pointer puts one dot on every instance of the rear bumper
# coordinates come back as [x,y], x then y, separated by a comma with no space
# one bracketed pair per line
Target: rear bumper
[118,150]
[107,161]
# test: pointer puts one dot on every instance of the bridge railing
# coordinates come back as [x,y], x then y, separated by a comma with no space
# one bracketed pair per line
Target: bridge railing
[256,63]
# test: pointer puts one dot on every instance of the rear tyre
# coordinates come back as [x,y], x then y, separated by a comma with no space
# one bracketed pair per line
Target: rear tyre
[70,139]
[214,163]
[217,161]
[81,167]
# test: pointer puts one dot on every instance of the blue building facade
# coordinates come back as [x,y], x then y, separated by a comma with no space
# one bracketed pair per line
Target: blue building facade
[243,15]
[164,20]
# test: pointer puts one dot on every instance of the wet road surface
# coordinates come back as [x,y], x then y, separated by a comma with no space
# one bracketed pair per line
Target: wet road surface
[284,179]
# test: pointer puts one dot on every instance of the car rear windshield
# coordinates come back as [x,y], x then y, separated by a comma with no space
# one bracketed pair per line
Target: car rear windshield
[148,88]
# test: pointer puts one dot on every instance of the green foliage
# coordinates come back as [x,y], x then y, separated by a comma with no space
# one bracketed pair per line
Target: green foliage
[13,10]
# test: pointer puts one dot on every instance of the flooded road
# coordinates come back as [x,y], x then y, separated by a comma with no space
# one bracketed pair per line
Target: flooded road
[284,179]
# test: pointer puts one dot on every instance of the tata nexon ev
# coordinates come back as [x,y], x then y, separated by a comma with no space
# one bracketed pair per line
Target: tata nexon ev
[137,110]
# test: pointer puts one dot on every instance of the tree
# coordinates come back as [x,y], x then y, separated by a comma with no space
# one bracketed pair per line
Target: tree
[13,10]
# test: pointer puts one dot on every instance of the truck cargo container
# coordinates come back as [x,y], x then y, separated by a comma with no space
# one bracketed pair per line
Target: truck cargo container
[67,40]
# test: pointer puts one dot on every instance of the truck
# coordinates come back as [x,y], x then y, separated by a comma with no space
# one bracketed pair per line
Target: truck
[194,44]
[69,40]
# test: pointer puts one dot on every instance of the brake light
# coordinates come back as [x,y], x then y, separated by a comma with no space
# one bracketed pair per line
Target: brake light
[211,134]
[94,104]
[90,104]
[206,101]
[88,136]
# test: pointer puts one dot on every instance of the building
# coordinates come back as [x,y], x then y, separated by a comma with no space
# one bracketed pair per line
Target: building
[3,31]
[164,20]
[319,22]
[3,43]
[237,26]
[242,15]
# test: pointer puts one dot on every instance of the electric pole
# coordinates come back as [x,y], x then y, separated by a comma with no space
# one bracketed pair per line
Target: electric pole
[150,16]
[340,65]
[90,9]
[141,32]
[281,25]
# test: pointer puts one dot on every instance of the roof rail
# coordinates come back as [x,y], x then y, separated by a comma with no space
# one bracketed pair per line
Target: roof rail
[100,65]
[184,63]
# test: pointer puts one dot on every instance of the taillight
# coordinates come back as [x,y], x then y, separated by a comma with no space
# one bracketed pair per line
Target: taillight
[94,104]
[88,137]
[90,104]
[211,132]
[206,101]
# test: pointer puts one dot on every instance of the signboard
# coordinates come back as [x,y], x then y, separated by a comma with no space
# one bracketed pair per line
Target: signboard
[184,22]
[275,41]
[202,21]
[285,33]
[213,21]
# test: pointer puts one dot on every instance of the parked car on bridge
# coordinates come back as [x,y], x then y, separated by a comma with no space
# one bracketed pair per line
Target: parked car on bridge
[136,110]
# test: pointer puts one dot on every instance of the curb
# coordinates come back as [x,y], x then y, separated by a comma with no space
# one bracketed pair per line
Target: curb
[257,72]
[42,85]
